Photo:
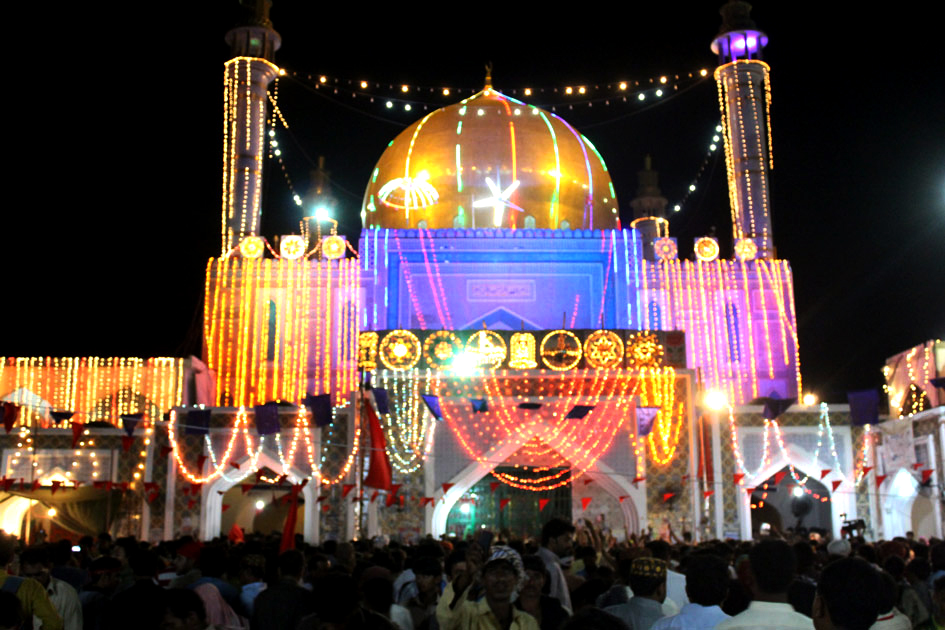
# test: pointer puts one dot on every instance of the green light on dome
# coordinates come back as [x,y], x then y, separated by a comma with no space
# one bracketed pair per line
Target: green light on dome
[462,110]
[376,171]
[459,128]
[459,171]
[612,193]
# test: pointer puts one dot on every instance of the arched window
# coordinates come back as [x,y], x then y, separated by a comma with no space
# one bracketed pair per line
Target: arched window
[564,225]
[529,223]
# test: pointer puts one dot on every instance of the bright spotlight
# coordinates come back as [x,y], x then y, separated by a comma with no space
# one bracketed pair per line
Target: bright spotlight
[51,513]
[464,364]
[464,508]
[321,213]
[798,491]
[715,400]
[260,504]
[810,399]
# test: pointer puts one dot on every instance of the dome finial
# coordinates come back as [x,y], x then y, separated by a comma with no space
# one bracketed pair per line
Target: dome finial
[488,76]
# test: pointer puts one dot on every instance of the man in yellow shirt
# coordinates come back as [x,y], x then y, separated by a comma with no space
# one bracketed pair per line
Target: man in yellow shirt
[32,595]
[497,580]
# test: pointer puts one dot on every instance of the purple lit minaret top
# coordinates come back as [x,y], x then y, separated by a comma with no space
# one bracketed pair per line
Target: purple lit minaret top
[738,38]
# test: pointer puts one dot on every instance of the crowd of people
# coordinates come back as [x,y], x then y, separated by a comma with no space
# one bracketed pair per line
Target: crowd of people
[567,577]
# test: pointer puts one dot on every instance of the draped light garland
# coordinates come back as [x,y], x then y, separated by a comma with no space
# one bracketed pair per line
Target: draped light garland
[408,430]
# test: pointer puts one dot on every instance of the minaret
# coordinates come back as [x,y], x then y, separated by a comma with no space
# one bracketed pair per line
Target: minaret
[649,208]
[246,77]
[745,98]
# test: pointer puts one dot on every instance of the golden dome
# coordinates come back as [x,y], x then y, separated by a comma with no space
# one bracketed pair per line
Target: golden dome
[490,161]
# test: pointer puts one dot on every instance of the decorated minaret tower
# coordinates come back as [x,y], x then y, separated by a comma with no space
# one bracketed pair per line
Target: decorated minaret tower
[246,77]
[745,99]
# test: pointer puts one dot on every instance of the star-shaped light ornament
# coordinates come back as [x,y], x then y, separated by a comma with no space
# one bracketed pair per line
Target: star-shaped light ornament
[499,200]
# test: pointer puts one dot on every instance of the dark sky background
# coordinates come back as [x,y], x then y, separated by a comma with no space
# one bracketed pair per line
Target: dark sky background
[113,201]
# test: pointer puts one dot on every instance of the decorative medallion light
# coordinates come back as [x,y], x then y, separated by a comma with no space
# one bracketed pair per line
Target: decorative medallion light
[745,249]
[665,248]
[560,350]
[522,351]
[440,348]
[292,246]
[603,349]
[333,247]
[252,247]
[488,347]
[643,350]
[367,350]
[399,350]
[706,248]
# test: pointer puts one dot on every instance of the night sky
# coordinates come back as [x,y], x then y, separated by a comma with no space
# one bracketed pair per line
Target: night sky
[113,202]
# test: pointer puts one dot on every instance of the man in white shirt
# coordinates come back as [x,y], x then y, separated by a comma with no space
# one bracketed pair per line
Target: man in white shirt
[35,563]
[771,569]
[706,588]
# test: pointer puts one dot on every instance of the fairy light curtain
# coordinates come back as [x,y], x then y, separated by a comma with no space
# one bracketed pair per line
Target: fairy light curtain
[95,388]
[278,329]
[558,450]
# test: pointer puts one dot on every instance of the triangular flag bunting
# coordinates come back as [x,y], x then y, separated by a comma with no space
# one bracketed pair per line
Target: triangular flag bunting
[77,428]
[645,417]
[129,421]
[446,487]
[638,479]
[623,498]
[235,465]
[737,478]
[493,485]
[425,500]
[126,442]
[346,489]
[588,481]
[246,487]
[824,472]
[585,501]
[917,465]
[667,496]
[707,494]
[433,404]
[381,400]
[374,495]
[59,416]
[200,461]
[749,491]
[165,451]
[9,411]
[880,479]
[326,508]
[224,507]
[927,474]
[866,470]
[479,405]
[579,411]
[55,485]
[542,503]
[320,408]
[267,418]
[836,484]
[778,476]
[503,503]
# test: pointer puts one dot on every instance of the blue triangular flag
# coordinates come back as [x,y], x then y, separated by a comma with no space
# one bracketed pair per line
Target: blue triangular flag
[479,405]
[579,411]
[267,418]
[645,418]
[381,400]
[864,407]
[59,416]
[433,403]
[320,408]
[529,405]
[775,406]
[938,382]
[197,422]
[129,421]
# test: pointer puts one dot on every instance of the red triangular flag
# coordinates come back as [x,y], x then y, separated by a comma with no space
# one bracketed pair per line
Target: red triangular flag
[446,487]
[321,498]
[824,472]
[880,479]
[638,478]
[76,484]
[866,470]
[126,442]
[403,499]
[493,485]
[77,428]
[836,484]
[587,481]
[685,478]
[379,469]
[10,412]
[917,465]
[98,484]
[707,494]
[200,462]
[374,495]
[246,487]
[503,503]
[737,478]
[235,465]
[391,499]
[123,486]
[221,492]
[623,497]
[346,489]
[585,501]
[151,496]
[195,489]
[425,500]
[542,503]
[165,451]
[927,474]
[224,507]
[55,486]
[749,491]
[667,496]
[191,504]
[778,476]
[326,507]
[35,485]
[150,485]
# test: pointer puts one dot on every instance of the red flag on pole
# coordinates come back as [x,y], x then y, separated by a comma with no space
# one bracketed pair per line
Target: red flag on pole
[379,470]
[836,484]
[542,503]
[880,479]
[503,503]
[585,501]
[824,472]
[927,474]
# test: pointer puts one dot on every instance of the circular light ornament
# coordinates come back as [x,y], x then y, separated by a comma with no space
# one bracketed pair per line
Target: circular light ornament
[603,349]
[644,350]
[399,350]
[441,348]
[665,248]
[252,247]
[488,348]
[522,353]
[745,249]
[333,247]
[706,249]
[292,247]
[560,350]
